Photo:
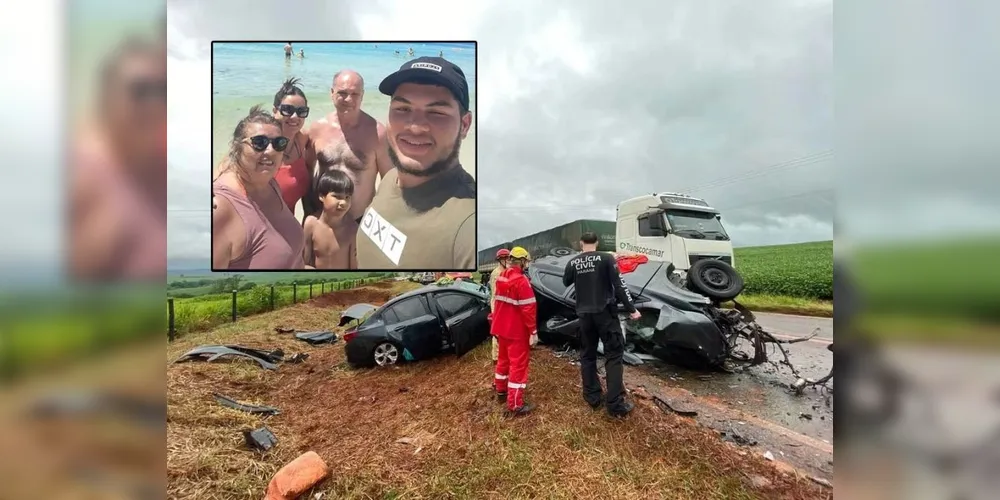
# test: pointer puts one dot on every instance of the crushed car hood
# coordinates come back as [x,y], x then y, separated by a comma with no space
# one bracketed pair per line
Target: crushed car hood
[679,324]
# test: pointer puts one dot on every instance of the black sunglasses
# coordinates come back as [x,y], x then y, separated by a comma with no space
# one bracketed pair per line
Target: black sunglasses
[260,142]
[288,110]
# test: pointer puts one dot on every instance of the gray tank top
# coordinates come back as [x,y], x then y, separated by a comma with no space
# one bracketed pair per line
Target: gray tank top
[274,241]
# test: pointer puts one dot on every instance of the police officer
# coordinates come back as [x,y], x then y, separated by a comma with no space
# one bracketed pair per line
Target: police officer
[599,289]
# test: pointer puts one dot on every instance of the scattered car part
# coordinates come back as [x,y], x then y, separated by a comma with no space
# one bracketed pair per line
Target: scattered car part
[281,329]
[298,358]
[210,353]
[317,337]
[261,439]
[236,405]
[665,406]
[356,312]
[679,326]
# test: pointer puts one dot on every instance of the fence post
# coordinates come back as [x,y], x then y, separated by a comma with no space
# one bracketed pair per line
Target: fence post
[272,297]
[171,331]
[295,292]
[322,288]
[310,290]
[234,306]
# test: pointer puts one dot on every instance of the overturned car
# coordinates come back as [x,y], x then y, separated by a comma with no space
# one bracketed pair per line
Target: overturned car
[679,326]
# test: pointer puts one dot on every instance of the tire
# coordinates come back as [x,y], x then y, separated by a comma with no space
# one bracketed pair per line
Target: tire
[714,279]
[561,251]
[385,354]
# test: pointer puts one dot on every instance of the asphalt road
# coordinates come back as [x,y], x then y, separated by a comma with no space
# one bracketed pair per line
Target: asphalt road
[757,404]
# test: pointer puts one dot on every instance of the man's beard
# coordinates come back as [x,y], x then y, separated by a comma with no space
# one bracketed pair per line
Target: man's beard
[435,168]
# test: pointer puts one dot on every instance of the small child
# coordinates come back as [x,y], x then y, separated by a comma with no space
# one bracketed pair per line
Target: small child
[330,237]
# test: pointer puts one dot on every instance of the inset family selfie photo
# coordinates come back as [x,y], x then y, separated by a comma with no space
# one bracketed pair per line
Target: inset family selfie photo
[343,156]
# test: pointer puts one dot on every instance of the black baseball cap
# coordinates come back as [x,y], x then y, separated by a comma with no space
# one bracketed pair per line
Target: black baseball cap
[436,70]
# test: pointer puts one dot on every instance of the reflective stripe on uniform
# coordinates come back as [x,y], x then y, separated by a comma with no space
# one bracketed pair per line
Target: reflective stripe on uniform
[512,385]
[515,302]
[500,377]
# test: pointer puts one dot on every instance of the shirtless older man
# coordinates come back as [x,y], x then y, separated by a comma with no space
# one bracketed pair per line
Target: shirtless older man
[348,140]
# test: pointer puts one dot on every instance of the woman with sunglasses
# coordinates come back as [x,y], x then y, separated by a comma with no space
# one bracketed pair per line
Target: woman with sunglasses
[252,227]
[291,109]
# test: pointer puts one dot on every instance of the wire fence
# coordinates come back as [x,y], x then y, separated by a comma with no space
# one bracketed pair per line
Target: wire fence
[207,311]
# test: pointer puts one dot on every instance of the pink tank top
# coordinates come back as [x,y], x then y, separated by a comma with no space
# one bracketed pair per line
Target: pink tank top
[272,243]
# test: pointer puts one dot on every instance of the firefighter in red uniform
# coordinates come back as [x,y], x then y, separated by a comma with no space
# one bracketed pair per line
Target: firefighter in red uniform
[513,324]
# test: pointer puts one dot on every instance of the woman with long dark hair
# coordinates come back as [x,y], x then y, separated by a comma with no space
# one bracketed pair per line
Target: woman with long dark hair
[294,175]
[252,227]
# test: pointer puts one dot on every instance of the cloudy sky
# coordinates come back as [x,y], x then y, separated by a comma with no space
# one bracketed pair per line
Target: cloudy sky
[580,105]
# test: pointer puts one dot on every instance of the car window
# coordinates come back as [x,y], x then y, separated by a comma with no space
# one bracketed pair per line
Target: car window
[408,309]
[454,303]
[644,229]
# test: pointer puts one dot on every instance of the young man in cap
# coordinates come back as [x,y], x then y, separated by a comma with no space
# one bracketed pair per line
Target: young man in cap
[514,325]
[424,213]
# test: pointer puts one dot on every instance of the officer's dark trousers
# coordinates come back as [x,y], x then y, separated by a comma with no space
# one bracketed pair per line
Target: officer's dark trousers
[604,326]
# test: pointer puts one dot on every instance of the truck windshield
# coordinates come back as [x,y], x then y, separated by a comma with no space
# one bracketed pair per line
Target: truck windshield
[695,224]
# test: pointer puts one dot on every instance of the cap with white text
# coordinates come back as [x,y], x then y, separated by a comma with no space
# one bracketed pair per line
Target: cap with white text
[432,70]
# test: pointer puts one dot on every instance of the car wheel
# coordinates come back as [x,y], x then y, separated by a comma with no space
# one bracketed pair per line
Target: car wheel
[715,279]
[385,354]
[561,251]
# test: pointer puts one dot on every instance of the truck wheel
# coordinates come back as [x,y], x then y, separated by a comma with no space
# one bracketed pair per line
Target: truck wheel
[714,279]
[561,251]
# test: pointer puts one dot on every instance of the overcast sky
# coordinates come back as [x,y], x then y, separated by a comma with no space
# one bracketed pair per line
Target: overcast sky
[580,105]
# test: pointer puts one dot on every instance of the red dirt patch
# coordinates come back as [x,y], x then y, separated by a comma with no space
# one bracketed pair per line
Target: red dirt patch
[368,294]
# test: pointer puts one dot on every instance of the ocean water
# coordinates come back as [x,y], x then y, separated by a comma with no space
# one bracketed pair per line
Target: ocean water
[245,74]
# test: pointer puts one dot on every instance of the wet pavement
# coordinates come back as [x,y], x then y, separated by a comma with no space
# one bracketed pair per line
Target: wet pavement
[755,409]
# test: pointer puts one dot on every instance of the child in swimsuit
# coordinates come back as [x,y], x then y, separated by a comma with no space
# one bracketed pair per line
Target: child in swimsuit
[330,236]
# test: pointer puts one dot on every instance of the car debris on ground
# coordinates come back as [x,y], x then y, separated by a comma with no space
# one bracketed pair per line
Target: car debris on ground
[679,326]
[317,337]
[209,353]
[261,439]
[297,477]
[236,405]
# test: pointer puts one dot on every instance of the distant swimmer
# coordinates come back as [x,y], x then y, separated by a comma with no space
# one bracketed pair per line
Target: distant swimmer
[440,53]
[288,50]
[411,51]
[302,53]
[397,52]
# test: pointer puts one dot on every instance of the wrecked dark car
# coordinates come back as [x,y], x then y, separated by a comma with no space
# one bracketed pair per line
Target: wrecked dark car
[678,326]
[421,324]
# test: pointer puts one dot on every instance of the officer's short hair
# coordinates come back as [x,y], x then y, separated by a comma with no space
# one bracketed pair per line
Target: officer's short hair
[589,238]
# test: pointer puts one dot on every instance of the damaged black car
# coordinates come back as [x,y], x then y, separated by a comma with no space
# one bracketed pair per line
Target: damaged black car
[679,326]
[420,324]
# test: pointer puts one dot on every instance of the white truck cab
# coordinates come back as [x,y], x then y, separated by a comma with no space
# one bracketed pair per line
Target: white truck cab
[674,228]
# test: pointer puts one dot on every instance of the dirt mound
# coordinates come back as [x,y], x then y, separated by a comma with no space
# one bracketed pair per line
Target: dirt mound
[344,298]
[382,285]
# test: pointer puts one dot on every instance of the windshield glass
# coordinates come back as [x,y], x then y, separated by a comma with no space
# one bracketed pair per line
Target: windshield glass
[694,224]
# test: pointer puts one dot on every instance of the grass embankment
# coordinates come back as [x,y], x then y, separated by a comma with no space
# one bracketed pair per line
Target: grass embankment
[206,311]
[791,279]
[461,447]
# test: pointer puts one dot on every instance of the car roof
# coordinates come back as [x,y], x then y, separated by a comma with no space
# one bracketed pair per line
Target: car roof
[451,287]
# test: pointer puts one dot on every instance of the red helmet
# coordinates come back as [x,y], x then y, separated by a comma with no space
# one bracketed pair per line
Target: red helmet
[503,253]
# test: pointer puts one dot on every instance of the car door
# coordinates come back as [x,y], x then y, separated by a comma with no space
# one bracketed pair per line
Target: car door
[415,327]
[465,317]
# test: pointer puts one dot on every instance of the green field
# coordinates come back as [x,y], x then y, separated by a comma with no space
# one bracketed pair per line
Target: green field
[206,311]
[204,283]
[801,270]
